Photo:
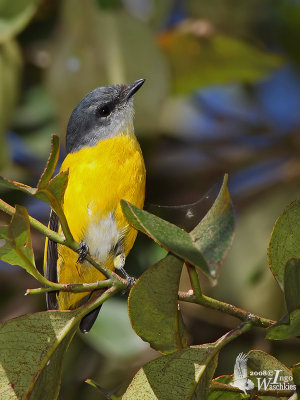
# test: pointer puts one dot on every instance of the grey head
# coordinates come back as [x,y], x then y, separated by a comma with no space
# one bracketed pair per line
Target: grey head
[103,113]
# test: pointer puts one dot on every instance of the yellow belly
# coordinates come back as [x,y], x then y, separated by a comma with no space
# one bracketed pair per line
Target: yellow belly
[99,177]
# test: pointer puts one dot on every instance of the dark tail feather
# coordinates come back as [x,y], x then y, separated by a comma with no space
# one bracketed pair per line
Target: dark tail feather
[88,321]
[51,263]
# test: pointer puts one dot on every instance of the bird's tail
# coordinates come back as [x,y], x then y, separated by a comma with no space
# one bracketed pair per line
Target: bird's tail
[88,321]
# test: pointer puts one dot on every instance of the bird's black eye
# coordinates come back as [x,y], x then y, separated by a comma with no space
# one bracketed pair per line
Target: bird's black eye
[103,111]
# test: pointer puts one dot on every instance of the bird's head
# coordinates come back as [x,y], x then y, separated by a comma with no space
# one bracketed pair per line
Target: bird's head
[104,112]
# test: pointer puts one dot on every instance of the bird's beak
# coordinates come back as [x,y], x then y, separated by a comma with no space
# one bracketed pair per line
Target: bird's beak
[132,88]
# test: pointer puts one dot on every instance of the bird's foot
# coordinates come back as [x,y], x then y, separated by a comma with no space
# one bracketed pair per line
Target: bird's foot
[130,279]
[119,262]
[82,252]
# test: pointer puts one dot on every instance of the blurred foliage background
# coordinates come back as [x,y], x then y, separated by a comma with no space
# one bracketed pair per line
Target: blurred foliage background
[222,95]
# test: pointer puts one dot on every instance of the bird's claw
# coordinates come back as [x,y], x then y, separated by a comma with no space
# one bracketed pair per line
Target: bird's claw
[130,279]
[82,252]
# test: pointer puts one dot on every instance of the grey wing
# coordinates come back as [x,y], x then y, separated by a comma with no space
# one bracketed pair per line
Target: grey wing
[51,263]
[240,368]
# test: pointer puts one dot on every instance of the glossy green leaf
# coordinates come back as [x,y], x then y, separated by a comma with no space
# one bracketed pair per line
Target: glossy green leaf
[178,376]
[49,190]
[205,246]
[167,235]
[212,59]
[32,350]
[259,361]
[284,242]
[153,306]
[10,74]
[15,242]
[54,191]
[289,326]
[51,163]
[214,234]
[14,16]
[286,328]
[17,185]
[292,284]
[202,389]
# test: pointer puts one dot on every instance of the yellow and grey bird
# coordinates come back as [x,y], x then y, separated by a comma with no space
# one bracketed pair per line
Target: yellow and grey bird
[105,165]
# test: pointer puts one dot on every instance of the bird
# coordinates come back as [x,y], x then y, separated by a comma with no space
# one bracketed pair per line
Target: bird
[105,165]
[240,374]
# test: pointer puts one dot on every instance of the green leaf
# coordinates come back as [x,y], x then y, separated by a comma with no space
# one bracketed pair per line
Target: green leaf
[214,234]
[289,326]
[14,16]
[15,242]
[51,163]
[54,191]
[203,60]
[292,284]
[286,328]
[10,74]
[153,306]
[32,351]
[259,361]
[17,185]
[202,389]
[284,242]
[177,376]
[205,247]
[48,190]
[167,235]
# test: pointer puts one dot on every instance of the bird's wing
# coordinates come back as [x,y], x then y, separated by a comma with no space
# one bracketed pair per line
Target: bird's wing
[240,368]
[51,262]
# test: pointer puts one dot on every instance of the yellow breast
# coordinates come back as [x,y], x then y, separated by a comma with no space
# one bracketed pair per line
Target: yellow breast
[99,177]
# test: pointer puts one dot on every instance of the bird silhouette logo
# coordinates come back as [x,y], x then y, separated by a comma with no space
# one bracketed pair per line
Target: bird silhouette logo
[240,374]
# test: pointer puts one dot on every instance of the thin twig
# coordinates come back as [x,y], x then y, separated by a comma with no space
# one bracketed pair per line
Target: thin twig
[226,308]
[76,287]
[194,279]
[233,334]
